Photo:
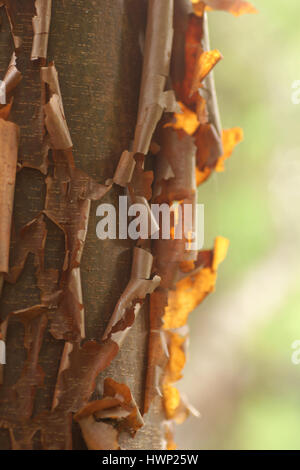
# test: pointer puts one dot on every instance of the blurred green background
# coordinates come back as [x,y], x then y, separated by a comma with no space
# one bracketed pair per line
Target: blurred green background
[240,375]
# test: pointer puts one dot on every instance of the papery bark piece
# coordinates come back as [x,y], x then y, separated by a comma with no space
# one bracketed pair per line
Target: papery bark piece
[76,380]
[49,76]
[230,138]
[176,406]
[56,124]
[205,63]
[157,348]
[153,97]
[209,88]
[125,168]
[5,110]
[152,224]
[191,290]
[79,368]
[121,391]
[178,151]
[192,45]
[186,120]
[119,406]
[9,140]
[135,292]
[98,435]
[168,256]
[141,181]
[177,356]
[41,27]
[12,76]
[55,120]
[209,146]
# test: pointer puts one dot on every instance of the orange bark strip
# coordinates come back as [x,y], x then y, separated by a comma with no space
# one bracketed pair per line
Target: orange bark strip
[186,120]
[9,139]
[235,7]
[191,290]
[205,63]
[230,138]
[209,146]
[193,48]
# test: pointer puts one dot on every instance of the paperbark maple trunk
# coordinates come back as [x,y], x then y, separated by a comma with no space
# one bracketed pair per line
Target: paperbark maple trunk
[96,49]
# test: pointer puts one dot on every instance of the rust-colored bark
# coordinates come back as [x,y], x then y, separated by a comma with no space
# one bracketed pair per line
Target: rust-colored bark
[84,343]
[99,61]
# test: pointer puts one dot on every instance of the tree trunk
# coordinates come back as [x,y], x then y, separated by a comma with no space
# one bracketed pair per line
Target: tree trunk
[96,49]
[92,126]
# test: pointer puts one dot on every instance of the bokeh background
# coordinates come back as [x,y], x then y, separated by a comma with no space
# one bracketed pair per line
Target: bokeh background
[240,375]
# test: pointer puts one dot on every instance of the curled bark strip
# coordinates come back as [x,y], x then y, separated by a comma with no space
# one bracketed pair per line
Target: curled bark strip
[157,351]
[153,226]
[141,183]
[177,407]
[196,91]
[41,27]
[175,167]
[9,140]
[55,120]
[75,383]
[169,310]
[205,63]
[209,147]
[125,168]
[5,110]
[209,90]
[117,405]
[138,287]
[190,145]
[56,124]
[99,435]
[81,365]
[13,76]
[153,97]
